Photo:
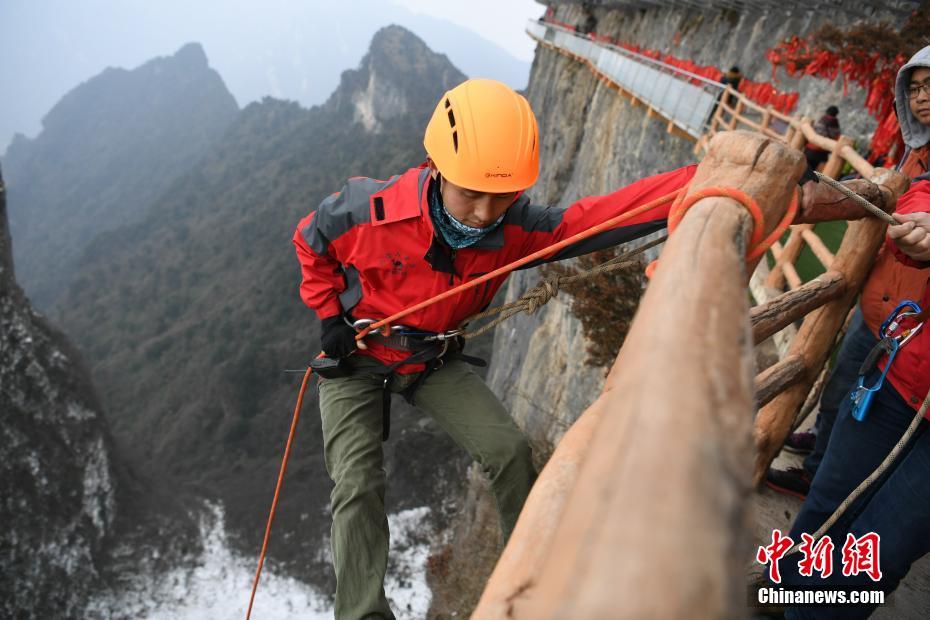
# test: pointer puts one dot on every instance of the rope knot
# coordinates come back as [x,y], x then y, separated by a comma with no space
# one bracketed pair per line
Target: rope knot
[541,295]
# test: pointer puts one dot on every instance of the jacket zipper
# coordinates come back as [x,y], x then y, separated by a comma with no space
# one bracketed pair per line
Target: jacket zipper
[452,263]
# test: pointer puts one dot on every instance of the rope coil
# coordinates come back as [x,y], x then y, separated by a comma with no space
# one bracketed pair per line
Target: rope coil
[543,292]
[757,244]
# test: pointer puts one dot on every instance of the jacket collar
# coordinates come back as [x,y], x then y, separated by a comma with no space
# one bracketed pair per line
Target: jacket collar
[494,240]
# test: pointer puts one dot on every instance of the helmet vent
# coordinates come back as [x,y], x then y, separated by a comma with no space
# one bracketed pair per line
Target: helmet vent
[455,141]
[448,104]
[451,119]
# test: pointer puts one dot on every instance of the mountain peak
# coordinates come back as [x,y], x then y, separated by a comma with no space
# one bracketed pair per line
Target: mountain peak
[398,76]
[192,55]
[393,39]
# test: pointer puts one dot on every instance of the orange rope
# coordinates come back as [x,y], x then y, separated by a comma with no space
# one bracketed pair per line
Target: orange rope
[384,324]
[757,245]
[277,489]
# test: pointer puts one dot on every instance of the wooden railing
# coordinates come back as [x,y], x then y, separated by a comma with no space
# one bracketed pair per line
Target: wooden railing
[804,350]
[653,479]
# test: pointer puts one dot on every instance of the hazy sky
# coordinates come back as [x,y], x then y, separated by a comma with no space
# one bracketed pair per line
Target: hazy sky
[47,47]
[500,21]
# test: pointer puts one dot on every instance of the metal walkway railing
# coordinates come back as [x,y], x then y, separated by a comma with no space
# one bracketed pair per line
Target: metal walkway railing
[686,100]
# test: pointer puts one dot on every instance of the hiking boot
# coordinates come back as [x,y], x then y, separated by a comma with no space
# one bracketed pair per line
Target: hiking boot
[801,443]
[792,481]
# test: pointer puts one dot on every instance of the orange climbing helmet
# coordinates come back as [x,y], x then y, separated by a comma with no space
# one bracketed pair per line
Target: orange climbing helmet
[483,136]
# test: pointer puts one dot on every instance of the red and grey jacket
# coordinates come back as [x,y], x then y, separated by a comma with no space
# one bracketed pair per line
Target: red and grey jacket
[371,250]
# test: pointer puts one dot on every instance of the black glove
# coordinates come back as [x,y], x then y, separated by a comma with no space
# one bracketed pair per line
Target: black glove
[337,337]
[808,176]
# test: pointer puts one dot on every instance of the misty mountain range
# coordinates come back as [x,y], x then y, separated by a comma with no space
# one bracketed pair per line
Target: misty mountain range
[164,216]
[285,50]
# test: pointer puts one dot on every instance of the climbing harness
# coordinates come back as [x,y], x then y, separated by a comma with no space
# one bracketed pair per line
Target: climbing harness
[889,344]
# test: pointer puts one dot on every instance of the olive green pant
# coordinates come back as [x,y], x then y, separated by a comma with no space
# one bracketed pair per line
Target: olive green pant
[464,407]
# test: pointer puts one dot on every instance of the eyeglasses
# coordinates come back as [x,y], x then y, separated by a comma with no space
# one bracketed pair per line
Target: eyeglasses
[914,90]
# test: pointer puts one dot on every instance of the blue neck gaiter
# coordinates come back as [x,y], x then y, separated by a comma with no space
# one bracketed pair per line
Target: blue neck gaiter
[455,233]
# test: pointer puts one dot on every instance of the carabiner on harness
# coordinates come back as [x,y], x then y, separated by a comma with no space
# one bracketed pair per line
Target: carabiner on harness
[889,344]
[403,330]
[861,395]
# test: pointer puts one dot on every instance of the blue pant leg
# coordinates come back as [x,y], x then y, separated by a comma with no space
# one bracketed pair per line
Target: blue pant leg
[855,348]
[855,450]
[898,511]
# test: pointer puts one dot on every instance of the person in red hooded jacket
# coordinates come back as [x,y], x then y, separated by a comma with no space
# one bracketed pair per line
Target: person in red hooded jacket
[896,507]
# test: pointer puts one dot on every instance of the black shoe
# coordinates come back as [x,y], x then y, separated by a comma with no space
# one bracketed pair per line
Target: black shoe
[801,443]
[793,481]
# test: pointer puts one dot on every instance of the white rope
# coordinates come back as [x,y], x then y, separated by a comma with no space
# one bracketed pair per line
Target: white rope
[859,200]
[875,475]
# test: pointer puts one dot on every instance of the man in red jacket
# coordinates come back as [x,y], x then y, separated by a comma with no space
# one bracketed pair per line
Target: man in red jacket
[378,247]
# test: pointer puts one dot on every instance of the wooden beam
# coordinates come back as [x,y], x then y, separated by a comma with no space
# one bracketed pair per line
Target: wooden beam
[834,165]
[788,255]
[525,553]
[815,243]
[842,147]
[704,422]
[775,314]
[800,138]
[773,380]
[791,276]
[815,338]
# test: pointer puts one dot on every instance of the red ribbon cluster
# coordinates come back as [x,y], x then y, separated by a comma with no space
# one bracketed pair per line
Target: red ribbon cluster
[872,72]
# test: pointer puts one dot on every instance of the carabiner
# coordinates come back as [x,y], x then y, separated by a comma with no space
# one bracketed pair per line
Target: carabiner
[889,344]
[893,322]
[384,330]
[445,336]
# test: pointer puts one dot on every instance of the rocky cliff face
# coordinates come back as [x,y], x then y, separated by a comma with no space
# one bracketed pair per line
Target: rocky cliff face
[594,141]
[57,480]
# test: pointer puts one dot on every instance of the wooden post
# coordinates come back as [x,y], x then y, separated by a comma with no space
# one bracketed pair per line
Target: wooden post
[789,254]
[815,338]
[616,534]
[776,378]
[816,244]
[834,164]
[799,140]
[766,118]
[775,314]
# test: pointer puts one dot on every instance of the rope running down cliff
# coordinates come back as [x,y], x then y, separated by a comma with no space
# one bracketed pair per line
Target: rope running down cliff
[540,294]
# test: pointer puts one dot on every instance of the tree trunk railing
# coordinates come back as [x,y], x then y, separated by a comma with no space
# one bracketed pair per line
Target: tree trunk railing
[587,536]
[564,558]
